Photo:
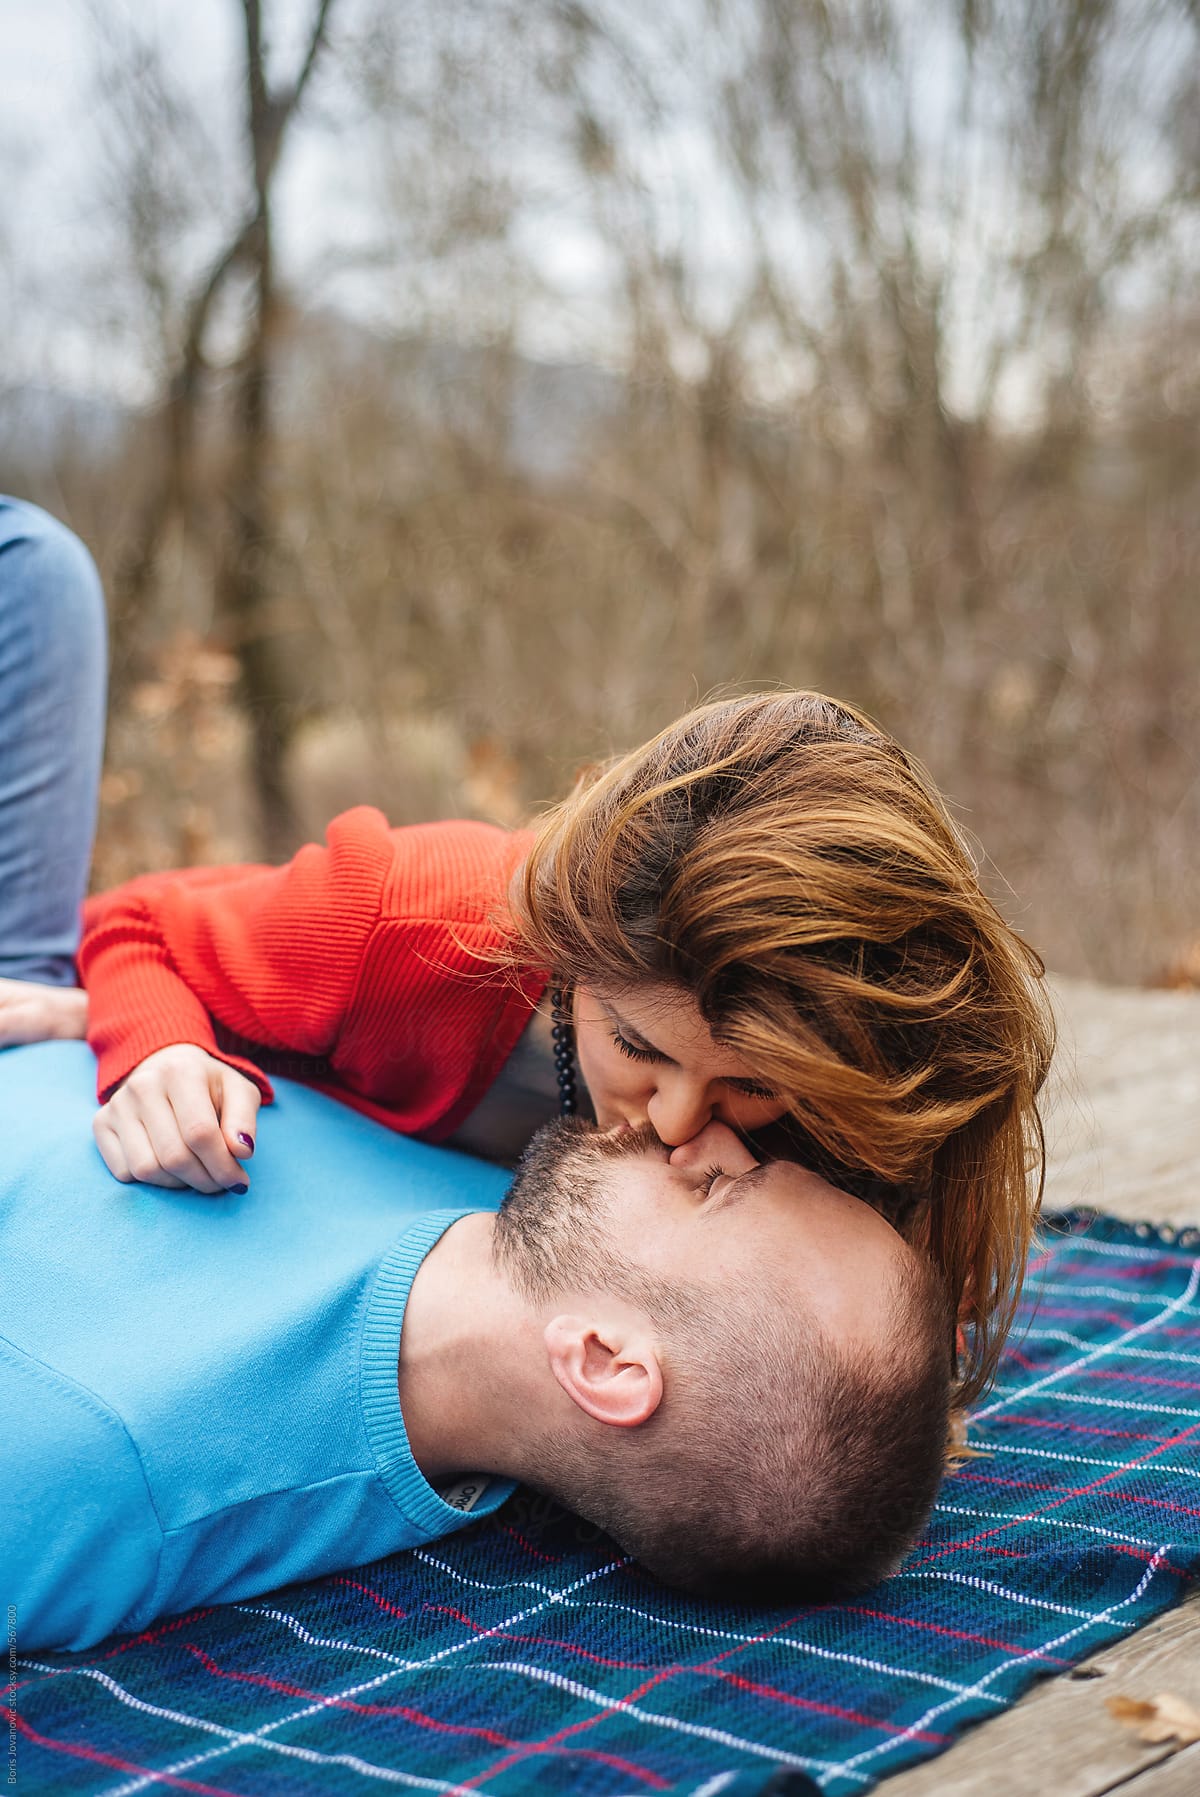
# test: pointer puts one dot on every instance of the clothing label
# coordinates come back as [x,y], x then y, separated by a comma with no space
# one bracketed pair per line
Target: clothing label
[464,1494]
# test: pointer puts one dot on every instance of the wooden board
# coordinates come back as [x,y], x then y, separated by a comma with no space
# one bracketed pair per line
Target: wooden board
[1177,1777]
[1061,1740]
[1123,1109]
[1123,1125]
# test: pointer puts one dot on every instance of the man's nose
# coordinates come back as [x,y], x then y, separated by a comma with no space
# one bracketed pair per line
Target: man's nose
[715,1142]
[679,1110]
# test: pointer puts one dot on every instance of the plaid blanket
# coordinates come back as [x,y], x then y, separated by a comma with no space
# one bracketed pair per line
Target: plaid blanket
[526,1655]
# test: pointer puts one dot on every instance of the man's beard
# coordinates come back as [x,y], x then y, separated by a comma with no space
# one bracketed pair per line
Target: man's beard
[553,1228]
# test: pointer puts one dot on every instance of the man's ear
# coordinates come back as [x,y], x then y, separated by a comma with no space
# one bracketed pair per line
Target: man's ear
[610,1370]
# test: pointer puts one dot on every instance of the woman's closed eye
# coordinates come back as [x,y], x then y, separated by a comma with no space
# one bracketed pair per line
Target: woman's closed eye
[633,1051]
[748,1089]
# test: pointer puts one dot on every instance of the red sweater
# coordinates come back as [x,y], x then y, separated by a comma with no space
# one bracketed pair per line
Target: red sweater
[364,968]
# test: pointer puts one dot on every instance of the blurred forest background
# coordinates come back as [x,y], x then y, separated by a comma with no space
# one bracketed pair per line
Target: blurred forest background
[453,393]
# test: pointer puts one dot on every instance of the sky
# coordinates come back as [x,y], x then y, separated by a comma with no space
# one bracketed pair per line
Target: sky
[58,279]
[50,242]
[53,250]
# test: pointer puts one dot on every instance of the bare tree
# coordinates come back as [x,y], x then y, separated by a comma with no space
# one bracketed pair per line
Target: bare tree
[245,253]
[717,342]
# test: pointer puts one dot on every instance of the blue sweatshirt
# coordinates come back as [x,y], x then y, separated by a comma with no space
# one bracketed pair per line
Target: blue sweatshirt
[198,1396]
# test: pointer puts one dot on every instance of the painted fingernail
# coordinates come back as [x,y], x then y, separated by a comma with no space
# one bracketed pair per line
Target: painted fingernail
[246,1141]
[238,1189]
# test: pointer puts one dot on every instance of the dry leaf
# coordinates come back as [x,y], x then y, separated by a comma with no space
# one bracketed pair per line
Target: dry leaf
[1164,1718]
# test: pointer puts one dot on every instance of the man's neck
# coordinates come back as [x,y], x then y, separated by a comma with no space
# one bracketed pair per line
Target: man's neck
[465,1360]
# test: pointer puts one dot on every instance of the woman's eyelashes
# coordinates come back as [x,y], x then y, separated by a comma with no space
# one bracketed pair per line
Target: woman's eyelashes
[748,1089]
[745,1088]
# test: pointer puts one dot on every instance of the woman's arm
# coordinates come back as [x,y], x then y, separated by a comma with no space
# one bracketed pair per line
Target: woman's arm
[373,965]
[269,955]
[174,964]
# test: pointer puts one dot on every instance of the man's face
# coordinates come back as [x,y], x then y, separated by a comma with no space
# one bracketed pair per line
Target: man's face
[708,1212]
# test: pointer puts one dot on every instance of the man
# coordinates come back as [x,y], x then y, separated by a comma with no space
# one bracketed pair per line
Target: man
[738,1371]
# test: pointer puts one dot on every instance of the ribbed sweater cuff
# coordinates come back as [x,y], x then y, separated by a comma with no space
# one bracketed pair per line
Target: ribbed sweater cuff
[138,1008]
[115,1064]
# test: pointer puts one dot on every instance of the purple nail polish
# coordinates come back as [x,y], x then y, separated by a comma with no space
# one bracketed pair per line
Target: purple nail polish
[239,1189]
[246,1141]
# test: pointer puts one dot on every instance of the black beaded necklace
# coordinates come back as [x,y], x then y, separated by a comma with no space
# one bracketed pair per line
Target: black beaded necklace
[563,1032]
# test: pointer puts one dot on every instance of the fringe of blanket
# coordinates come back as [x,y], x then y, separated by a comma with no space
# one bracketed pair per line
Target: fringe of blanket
[1081,1220]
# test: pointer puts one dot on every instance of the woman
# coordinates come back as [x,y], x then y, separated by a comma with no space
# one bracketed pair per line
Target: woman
[764,915]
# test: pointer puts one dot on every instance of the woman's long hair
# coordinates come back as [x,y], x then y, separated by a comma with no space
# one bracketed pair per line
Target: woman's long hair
[781,859]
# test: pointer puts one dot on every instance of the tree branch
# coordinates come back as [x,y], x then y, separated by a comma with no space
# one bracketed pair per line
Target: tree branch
[316,43]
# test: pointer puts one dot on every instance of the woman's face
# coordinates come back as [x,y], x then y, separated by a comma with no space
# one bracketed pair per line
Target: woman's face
[647,1056]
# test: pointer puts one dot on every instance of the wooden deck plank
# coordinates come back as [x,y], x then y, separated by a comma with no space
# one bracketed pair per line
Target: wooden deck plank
[1123,1129]
[1123,1108]
[1060,1738]
[1178,1776]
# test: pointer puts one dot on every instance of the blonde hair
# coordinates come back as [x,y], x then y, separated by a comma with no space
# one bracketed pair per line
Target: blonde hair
[781,859]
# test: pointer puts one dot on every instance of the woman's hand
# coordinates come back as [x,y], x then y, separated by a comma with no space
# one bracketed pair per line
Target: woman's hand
[181,1118]
[30,1012]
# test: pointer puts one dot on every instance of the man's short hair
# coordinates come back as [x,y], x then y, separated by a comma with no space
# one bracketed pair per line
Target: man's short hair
[780,1465]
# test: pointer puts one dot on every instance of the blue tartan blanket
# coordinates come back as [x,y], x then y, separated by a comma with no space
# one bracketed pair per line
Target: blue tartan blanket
[527,1655]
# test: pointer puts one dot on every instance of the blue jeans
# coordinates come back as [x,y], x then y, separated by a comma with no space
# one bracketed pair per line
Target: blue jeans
[52,688]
